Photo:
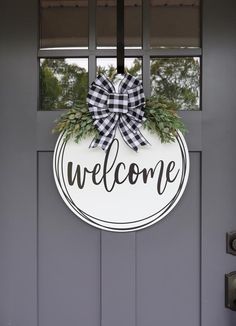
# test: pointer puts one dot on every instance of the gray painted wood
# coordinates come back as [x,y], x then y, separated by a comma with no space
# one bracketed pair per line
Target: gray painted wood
[68,259]
[219,155]
[118,279]
[168,262]
[152,278]
[18,206]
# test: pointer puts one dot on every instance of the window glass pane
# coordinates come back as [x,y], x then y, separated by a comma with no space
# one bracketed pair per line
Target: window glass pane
[177,80]
[174,23]
[106,23]
[107,66]
[63,23]
[63,83]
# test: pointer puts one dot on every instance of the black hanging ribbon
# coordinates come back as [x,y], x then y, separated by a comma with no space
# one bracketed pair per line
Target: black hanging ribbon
[120,37]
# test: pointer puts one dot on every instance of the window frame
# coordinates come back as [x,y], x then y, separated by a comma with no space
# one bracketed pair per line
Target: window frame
[146,53]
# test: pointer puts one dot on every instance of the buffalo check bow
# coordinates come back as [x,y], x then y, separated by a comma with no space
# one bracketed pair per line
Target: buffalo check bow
[111,110]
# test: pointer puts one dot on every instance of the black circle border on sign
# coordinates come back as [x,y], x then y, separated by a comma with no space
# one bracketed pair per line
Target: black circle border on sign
[58,163]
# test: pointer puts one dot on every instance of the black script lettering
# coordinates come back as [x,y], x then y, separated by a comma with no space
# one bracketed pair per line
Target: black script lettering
[163,174]
[81,180]
[71,180]
[117,171]
[151,172]
[106,170]
[146,173]
[169,169]
[133,173]
[95,171]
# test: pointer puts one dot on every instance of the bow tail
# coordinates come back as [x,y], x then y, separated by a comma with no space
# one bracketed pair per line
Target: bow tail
[133,138]
[103,141]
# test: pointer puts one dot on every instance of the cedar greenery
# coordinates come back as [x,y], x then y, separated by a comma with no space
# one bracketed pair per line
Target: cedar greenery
[161,118]
[76,122]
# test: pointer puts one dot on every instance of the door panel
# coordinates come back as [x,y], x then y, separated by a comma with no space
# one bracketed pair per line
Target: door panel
[72,254]
[168,262]
[118,283]
[68,258]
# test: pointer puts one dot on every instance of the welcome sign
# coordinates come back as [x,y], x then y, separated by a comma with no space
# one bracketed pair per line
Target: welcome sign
[120,189]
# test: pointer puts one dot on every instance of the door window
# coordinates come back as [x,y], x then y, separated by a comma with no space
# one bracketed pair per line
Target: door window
[107,66]
[63,82]
[78,41]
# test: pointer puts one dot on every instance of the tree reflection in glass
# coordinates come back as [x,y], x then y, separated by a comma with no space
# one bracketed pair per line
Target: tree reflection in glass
[177,80]
[107,66]
[63,83]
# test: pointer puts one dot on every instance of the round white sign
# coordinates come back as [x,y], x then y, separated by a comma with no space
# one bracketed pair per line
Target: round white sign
[121,190]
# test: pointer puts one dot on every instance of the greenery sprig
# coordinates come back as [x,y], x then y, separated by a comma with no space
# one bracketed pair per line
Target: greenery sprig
[161,119]
[77,122]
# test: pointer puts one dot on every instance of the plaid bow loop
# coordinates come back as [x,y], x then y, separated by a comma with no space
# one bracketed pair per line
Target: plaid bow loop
[111,110]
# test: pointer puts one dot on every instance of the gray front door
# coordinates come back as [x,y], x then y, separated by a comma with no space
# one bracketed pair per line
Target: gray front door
[55,270]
